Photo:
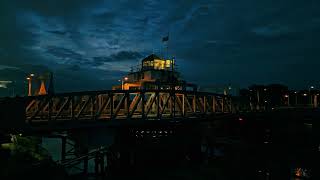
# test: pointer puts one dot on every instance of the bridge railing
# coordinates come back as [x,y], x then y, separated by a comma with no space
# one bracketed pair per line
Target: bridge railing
[121,104]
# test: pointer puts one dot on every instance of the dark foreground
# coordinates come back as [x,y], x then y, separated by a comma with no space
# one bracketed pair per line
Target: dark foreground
[253,146]
[279,145]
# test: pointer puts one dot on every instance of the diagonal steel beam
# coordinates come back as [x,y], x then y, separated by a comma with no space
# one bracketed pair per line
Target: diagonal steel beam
[116,111]
[134,105]
[83,107]
[103,106]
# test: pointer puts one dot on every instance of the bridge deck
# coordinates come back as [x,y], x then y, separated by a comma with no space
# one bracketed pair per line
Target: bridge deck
[111,105]
[118,104]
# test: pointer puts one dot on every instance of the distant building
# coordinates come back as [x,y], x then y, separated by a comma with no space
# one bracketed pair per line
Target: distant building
[221,89]
[266,97]
[155,73]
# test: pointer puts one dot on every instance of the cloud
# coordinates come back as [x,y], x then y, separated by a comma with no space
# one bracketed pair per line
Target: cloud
[56,7]
[272,30]
[67,56]
[78,38]
[2,67]
[125,55]
[118,57]
[58,32]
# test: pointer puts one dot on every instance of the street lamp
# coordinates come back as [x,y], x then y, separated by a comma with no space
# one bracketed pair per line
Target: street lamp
[29,78]
[288,100]
[296,98]
[122,81]
[311,87]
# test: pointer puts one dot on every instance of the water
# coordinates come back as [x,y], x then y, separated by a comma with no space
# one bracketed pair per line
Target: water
[229,149]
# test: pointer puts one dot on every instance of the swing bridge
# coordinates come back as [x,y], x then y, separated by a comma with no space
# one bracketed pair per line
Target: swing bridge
[112,105]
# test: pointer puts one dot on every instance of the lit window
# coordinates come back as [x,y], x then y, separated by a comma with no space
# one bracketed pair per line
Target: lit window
[168,63]
[159,64]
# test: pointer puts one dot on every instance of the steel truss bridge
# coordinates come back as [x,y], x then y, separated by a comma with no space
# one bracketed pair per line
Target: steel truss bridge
[125,104]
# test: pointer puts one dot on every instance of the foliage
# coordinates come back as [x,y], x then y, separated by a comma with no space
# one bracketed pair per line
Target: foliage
[24,157]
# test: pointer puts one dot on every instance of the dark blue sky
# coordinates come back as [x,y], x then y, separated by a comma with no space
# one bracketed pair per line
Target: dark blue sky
[89,44]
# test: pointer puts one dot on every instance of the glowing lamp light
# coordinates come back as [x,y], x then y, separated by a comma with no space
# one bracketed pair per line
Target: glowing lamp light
[286,95]
[311,87]
[240,119]
[126,78]
[31,74]
[305,94]
[28,78]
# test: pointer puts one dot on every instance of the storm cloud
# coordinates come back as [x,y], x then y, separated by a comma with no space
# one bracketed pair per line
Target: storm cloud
[94,42]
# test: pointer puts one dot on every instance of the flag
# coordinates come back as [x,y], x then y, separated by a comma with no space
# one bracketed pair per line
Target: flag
[165,38]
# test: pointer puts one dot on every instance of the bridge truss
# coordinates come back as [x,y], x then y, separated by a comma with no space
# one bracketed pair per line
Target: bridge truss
[125,104]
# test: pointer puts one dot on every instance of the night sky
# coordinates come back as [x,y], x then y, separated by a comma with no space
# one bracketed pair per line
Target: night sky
[90,44]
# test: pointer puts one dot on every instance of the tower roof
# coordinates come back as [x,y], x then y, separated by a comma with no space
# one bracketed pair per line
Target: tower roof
[151,58]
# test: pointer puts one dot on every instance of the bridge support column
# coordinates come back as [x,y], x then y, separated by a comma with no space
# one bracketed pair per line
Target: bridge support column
[63,147]
[85,163]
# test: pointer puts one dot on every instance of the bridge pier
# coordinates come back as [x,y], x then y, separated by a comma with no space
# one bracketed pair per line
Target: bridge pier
[63,148]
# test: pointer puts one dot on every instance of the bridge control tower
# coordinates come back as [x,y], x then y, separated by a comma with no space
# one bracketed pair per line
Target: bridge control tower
[155,73]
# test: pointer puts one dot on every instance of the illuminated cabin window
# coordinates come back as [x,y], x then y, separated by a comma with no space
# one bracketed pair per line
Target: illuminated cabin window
[159,64]
[148,64]
[168,63]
